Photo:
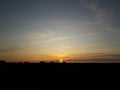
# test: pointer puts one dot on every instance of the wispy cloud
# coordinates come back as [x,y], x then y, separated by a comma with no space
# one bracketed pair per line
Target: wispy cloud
[103,15]
[11,49]
[104,19]
[93,35]
[54,39]
[94,56]
[39,35]
[8,49]
[58,39]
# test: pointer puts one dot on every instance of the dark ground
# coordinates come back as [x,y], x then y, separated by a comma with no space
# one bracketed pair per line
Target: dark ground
[41,75]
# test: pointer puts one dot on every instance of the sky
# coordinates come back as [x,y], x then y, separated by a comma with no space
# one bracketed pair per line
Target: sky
[36,30]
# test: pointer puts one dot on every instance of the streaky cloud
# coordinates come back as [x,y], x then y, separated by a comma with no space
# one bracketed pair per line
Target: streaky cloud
[59,39]
[39,34]
[12,49]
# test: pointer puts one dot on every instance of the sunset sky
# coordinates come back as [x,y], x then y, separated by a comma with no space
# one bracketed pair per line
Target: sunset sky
[35,30]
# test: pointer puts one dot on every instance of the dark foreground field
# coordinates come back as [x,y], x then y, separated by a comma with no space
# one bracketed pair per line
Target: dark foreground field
[39,75]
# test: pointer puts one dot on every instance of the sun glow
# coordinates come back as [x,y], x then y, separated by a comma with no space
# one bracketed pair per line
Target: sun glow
[61,60]
[61,57]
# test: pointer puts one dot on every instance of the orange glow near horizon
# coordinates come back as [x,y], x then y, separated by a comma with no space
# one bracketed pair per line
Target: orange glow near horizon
[61,56]
[58,57]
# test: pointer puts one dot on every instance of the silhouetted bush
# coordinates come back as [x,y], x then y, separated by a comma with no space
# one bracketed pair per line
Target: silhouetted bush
[42,62]
[2,62]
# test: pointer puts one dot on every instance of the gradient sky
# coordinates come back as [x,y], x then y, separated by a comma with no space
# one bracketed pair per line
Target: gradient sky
[35,30]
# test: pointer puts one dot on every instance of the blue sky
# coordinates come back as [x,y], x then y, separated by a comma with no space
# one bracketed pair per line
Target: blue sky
[62,27]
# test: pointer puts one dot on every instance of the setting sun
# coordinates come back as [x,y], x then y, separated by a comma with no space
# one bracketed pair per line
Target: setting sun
[61,57]
[61,60]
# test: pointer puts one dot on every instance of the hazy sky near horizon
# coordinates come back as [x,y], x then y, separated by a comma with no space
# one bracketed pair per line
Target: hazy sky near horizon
[59,29]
